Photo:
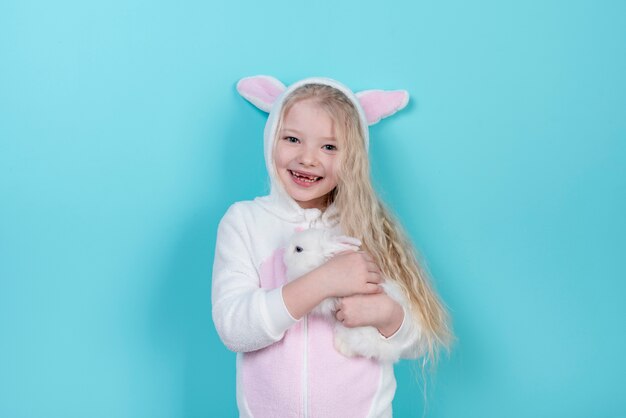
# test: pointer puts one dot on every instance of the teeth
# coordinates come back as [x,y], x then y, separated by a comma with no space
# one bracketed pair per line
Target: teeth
[305,178]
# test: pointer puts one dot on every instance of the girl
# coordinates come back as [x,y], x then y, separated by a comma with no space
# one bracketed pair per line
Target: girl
[316,142]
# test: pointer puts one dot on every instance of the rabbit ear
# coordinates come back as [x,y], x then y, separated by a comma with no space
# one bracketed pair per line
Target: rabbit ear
[379,104]
[341,243]
[261,90]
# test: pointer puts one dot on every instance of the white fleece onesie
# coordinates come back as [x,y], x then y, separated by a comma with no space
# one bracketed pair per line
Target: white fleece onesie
[288,368]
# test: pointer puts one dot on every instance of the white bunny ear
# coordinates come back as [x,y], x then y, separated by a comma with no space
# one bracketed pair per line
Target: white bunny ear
[379,104]
[261,90]
[340,243]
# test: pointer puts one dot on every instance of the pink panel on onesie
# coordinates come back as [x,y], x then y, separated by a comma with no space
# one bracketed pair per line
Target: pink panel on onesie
[273,377]
[338,386]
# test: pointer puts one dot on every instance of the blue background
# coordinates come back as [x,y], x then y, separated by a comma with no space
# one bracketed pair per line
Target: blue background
[123,141]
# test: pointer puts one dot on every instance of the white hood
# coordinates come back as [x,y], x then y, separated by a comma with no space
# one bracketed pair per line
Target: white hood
[269,94]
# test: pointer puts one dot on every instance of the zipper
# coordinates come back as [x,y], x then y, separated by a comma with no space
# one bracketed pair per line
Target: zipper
[305,369]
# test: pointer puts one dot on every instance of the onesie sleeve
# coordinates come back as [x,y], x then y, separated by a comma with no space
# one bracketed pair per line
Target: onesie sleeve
[407,341]
[246,317]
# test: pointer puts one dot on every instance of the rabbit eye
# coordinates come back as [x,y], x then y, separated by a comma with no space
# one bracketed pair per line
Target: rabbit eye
[298,249]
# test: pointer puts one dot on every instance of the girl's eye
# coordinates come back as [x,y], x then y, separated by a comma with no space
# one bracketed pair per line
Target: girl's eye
[292,139]
[329,147]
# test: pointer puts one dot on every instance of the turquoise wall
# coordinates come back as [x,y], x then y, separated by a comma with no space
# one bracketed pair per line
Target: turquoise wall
[123,141]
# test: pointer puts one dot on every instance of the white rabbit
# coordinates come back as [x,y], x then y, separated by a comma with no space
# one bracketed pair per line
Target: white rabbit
[311,248]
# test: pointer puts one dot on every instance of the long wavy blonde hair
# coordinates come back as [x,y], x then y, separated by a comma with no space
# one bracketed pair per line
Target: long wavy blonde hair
[363,215]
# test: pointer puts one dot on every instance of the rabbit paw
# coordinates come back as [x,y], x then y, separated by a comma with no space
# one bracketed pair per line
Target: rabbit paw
[342,347]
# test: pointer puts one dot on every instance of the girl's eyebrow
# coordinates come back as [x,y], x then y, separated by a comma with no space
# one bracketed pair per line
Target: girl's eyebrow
[296,132]
[291,130]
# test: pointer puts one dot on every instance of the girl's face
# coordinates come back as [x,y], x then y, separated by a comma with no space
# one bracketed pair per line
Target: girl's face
[307,154]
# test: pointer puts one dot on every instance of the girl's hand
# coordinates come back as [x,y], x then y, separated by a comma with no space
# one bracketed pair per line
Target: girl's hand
[378,310]
[350,273]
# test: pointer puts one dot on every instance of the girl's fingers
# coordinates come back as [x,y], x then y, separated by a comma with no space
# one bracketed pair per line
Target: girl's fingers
[374,278]
[371,264]
[372,288]
[372,267]
[367,257]
[339,315]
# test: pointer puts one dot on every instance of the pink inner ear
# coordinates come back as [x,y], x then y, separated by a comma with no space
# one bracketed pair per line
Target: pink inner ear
[379,104]
[260,89]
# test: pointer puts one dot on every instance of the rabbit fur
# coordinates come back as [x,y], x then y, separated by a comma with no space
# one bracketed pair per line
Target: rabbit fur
[307,250]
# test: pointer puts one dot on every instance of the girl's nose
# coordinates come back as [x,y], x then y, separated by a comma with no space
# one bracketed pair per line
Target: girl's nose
[307,157]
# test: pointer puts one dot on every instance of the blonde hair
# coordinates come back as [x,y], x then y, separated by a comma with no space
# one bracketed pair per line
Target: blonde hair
[363,215]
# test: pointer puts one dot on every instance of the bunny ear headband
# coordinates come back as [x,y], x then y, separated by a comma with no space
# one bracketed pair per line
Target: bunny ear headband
[262,91]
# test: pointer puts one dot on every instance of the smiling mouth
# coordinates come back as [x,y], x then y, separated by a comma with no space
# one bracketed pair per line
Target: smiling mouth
[304,177]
